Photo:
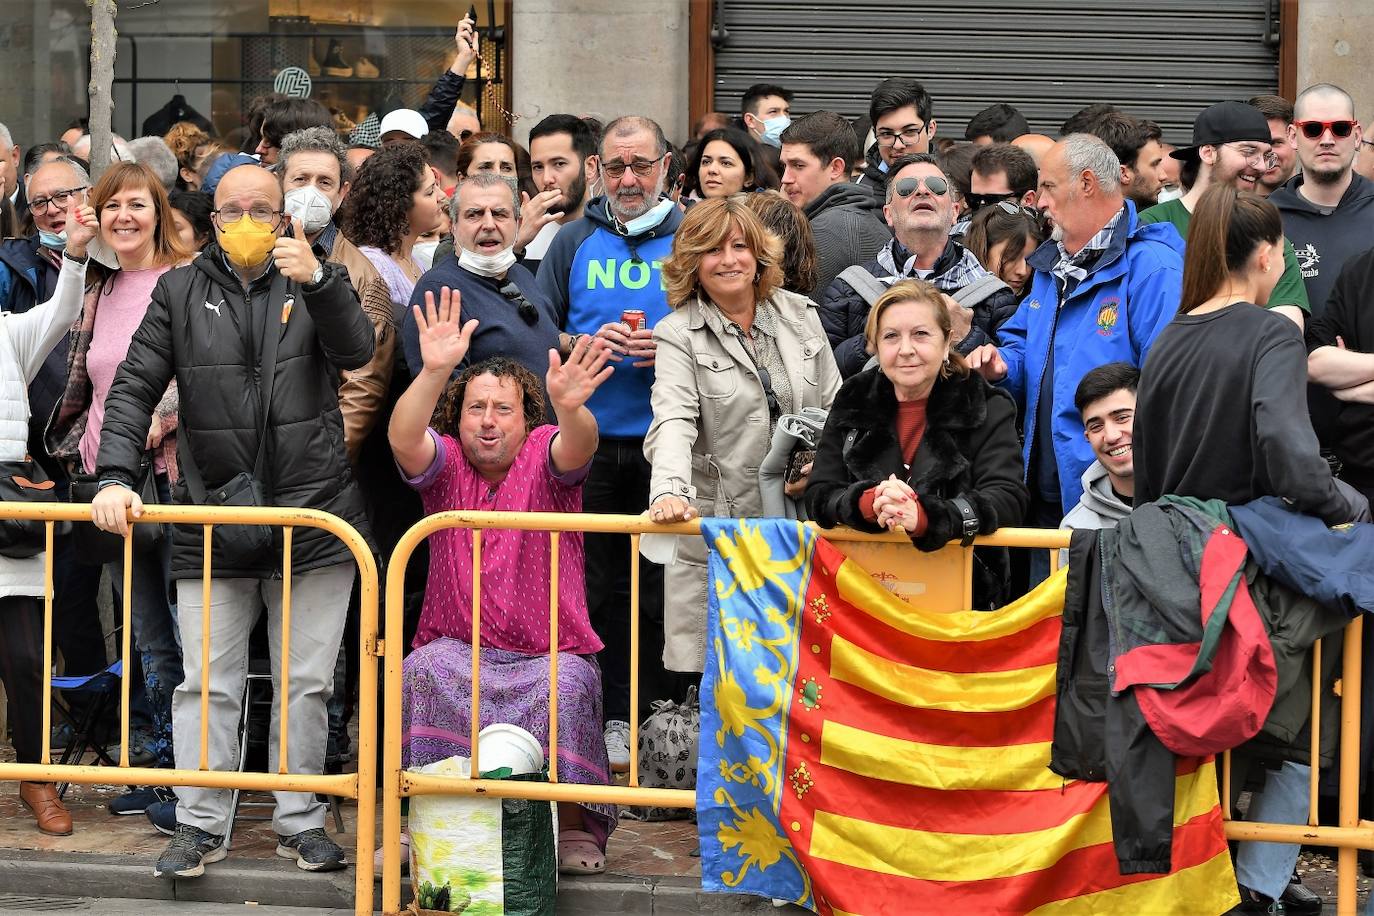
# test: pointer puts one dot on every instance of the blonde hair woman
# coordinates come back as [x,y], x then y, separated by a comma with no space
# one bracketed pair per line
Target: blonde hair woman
[919,444]
[737,352]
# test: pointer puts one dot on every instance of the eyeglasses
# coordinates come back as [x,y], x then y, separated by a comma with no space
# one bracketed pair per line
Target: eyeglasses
[979,201]
[641,167]
[523,307]
[1254,157]
[258,213]
[774,407]
[908,186]
[61,199]
[908,136]
[1313,130]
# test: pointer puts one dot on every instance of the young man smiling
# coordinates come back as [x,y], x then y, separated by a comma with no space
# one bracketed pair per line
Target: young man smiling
[1231,145]
[1106,401]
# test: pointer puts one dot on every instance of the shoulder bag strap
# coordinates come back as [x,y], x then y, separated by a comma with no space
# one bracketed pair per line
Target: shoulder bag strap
[984,287]
[863,283]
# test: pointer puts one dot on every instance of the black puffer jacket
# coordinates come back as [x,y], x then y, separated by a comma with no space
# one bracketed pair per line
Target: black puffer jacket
[202,330]
[844,311]
[969,449]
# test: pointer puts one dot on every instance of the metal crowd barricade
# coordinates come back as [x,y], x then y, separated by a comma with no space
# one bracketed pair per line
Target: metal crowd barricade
[941,580]
[360,785]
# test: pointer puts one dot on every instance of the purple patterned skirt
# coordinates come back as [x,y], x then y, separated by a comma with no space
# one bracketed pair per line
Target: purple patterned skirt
[437,699]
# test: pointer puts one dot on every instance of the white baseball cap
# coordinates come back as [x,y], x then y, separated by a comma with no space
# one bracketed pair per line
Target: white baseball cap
[407,120]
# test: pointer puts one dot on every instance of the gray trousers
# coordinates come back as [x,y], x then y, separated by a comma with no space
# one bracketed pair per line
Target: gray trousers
[319,606]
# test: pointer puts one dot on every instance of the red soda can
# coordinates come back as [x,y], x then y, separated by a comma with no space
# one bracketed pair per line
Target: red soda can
[634,318]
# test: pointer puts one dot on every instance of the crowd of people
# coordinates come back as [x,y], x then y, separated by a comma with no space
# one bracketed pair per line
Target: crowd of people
[861,323]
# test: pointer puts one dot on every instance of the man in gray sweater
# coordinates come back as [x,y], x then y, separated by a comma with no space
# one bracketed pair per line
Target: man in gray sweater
[818,152]
[1105,399]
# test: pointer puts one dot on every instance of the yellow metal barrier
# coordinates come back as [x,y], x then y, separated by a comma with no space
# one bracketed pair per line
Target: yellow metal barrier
[941,580]
[360,785]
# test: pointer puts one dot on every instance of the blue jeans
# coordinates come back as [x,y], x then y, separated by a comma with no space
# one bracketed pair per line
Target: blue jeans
[155,637]
[1266,867]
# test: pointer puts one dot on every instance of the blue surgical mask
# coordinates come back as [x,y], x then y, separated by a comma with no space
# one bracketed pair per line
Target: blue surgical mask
[773,128]
[55,241]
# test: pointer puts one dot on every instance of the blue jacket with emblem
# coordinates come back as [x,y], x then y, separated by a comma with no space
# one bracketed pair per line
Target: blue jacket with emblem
[1113,314]
[591,273]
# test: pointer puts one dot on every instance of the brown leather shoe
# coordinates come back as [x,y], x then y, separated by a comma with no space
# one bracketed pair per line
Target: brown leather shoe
[41,798]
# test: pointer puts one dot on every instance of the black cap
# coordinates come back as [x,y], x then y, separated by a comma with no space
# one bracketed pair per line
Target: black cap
[1225,122]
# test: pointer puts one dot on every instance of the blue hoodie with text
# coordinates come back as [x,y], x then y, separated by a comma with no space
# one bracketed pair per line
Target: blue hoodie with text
[591,273]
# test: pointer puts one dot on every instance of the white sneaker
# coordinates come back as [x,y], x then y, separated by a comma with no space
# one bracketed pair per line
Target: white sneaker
[617,735]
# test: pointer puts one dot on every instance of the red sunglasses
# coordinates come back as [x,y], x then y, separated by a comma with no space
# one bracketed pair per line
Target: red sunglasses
[1313,130]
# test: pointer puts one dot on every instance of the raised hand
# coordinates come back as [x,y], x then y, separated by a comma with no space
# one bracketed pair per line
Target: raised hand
[569,384]
[465,39]
[293,256]
[443,343]
[82,226]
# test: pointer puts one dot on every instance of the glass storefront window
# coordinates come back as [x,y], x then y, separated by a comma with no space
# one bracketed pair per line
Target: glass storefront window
[361,56]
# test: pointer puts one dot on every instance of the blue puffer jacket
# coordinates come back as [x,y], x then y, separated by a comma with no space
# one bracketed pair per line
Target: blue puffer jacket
[1114,314]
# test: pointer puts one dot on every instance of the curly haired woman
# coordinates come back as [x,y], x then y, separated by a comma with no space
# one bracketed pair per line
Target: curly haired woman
[394,200]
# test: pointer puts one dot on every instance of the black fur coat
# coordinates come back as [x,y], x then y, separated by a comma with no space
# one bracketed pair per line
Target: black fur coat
[969,449]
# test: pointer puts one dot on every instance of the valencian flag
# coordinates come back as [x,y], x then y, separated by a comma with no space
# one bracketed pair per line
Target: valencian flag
[862,756]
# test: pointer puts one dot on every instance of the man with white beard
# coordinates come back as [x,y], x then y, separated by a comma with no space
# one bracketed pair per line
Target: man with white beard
[599,269]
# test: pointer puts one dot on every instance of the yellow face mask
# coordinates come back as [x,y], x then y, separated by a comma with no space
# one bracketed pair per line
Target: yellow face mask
[247,242]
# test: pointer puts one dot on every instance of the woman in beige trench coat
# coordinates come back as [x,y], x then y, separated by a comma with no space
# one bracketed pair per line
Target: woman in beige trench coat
[736,353]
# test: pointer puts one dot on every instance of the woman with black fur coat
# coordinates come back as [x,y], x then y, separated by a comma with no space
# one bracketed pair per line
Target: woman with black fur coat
[918,444]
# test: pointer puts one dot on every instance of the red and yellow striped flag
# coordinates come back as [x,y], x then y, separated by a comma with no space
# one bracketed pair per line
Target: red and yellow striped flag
[862,756]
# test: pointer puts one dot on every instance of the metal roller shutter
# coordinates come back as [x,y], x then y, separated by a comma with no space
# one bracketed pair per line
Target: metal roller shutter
[1159,59]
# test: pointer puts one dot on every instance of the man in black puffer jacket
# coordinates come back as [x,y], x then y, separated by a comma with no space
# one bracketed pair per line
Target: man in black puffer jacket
[208,327]
[920,219]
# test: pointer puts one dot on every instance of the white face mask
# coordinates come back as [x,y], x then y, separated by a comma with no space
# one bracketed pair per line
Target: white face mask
[423,253]
[1168,194]
[310,206]
[487,265]
[650,218]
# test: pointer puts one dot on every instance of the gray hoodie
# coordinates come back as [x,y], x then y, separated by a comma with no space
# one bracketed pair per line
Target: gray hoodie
[848,225]
[1099,507]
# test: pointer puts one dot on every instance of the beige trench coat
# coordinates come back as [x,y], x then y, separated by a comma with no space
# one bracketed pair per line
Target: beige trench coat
[710,433]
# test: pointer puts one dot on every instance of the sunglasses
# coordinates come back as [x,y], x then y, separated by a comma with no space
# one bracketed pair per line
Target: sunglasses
[1012,209]
[908,186]
[523,307]
[979,201]
[1313,130]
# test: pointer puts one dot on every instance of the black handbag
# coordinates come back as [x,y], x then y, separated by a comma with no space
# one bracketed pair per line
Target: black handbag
[242,546]
[25,482]
[93,547]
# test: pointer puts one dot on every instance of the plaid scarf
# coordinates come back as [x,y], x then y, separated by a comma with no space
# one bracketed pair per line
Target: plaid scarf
[953,278]
[1075,266]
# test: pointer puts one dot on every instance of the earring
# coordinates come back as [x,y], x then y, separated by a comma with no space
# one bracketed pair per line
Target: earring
[1266,268]
[756,279]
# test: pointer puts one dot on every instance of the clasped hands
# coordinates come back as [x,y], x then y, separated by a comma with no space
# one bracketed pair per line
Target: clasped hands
[896,505]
